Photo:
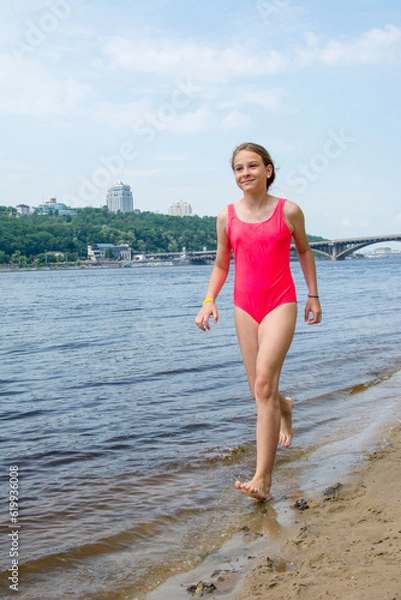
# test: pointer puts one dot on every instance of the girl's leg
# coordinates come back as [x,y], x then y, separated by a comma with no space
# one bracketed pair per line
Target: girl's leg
[271,339]
[247,333]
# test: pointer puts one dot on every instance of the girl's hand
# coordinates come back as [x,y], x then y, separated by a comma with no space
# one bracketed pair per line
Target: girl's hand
[313,306]
[203,316]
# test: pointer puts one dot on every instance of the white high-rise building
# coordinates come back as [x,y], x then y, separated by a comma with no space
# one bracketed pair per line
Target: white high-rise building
[119,198]
[179,209]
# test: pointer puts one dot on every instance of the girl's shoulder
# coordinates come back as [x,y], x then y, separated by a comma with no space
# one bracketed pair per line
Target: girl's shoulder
[294,216]
[291,209]
[222,216]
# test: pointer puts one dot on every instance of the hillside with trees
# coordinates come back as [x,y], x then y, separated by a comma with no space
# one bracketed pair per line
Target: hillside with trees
[27,239]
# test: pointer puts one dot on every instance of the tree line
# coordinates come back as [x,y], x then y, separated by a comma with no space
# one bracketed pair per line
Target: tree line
[27,239]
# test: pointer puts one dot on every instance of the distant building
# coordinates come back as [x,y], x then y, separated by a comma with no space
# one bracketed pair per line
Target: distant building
[52,207]
[384,250]
[179,209]
[119,198]
[23,209]
[98,252]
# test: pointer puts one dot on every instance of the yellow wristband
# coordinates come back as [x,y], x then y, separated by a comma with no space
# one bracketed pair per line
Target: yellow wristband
[207,300]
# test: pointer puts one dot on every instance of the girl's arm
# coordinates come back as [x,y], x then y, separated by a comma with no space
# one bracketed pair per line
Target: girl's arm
[218,275]
[296,221]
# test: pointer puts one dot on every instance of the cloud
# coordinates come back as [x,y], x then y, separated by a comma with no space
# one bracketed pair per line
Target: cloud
[198,120]
[267,99]
[236,120]
[201,62]
[28,89]
[121,115]
[373,47]
[147,117]
[204,63]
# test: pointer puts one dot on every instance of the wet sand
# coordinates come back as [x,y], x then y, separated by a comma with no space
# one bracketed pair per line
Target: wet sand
[342,544]
[347,544]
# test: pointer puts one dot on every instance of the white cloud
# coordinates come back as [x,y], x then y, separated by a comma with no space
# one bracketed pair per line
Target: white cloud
[374,46]
[268,99]
[147,117]
[236,120]
[204,63]
[198,120]
[145,120]
[172,158]
[346,223]
[28,89]
[121,115]
[201,62]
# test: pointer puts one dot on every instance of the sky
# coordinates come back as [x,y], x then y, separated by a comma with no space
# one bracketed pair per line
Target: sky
[158,93]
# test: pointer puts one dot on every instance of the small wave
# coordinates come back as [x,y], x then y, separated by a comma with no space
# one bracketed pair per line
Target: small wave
[361,387]
[37,349]
[22,415]
[12,393]
[124,310]
[197,369]
[152,376]
[229,456]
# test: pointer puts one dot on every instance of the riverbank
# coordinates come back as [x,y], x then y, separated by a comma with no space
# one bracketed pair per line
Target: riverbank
[343,545]
[347,544]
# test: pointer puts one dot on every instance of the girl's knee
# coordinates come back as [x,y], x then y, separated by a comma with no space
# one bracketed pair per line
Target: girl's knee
[265,390]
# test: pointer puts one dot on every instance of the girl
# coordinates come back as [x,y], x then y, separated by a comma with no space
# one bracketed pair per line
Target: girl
[258,229]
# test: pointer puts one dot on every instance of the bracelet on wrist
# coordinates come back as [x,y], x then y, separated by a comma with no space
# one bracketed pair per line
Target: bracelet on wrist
[311,296]
[206,300]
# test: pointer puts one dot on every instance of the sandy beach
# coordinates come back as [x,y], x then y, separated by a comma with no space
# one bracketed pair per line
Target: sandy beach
[342,544]
[345,545]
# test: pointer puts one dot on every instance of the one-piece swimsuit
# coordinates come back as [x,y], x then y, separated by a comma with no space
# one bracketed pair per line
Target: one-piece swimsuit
[263,279]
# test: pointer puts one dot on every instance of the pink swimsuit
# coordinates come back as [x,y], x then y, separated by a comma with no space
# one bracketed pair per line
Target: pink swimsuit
[263,279]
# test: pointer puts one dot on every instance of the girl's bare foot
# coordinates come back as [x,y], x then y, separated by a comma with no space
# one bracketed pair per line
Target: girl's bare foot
[254,489]
[286,433]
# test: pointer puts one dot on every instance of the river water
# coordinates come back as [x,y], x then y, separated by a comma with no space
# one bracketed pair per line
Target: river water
[129,425]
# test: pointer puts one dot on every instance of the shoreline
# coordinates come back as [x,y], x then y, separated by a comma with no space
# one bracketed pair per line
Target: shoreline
[345,543]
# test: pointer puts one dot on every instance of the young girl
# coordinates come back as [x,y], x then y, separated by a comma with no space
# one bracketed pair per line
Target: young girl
[258,229]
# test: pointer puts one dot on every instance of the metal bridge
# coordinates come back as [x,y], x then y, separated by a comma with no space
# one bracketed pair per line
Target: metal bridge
[333,249]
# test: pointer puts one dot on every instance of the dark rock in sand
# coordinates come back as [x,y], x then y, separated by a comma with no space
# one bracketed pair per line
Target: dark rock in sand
[332,491]
[198,589]
[301,504]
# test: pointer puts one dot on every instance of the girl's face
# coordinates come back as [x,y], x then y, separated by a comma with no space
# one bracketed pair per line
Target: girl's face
[250,172]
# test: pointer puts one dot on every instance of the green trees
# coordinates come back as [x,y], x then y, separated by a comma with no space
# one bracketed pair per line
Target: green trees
[32,235]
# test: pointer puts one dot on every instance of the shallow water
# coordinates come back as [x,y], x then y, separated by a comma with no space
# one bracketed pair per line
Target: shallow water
[128,425]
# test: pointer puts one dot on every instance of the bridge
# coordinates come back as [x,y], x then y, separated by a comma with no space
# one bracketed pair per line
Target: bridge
[339,249]
[333,249]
